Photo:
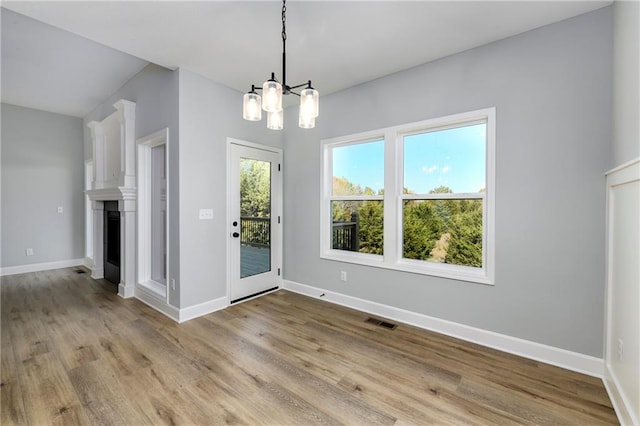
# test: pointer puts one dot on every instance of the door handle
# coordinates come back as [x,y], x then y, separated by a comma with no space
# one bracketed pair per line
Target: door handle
[235,235]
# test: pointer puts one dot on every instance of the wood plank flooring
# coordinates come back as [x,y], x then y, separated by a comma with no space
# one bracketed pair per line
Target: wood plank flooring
[73,352]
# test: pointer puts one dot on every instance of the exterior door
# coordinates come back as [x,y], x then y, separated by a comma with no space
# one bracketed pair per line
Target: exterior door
[255,220]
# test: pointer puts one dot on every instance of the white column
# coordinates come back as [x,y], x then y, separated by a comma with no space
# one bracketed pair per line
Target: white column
[97,271]
[127,208]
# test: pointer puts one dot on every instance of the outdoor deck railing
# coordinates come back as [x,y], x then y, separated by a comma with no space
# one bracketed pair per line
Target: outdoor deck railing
[345,236]
[255,231]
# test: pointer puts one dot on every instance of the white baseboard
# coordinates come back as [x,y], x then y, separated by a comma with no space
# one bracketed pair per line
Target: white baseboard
[126,290]
[151,299]
[201,309]
[37,267]
[548,354]
[621,405]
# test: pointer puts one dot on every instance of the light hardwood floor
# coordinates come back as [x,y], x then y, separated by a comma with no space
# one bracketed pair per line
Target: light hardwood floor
[73,352]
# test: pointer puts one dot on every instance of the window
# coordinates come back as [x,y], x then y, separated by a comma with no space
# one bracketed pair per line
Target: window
[357,197]
[416,197]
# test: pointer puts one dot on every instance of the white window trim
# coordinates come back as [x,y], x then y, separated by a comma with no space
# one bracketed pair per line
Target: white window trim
[392,257]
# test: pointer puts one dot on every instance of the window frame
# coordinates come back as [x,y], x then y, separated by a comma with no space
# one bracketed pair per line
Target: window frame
[393,199]
[367,138]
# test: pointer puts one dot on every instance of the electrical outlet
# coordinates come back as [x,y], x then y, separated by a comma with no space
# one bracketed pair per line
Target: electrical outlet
[620,349]
[60,209]
[28,252]
[343,276]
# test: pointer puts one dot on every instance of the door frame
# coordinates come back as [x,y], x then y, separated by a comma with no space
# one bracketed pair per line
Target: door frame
[277,207]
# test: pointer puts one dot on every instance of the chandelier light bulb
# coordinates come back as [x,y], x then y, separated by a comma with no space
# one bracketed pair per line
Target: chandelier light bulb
[251,108]
[272,95]
[275,120]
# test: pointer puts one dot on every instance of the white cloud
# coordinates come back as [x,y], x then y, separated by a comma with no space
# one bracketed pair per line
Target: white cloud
[445,169]
[429,170]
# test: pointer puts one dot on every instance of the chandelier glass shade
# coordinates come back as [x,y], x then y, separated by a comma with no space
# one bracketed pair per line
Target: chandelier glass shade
[272,92]
[252,108]
[275,120]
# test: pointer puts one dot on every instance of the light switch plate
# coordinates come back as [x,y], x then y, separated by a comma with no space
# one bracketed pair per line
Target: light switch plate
[206,214]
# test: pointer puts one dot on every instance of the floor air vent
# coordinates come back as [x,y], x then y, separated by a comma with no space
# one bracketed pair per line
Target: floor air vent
[79,271]
[381,323]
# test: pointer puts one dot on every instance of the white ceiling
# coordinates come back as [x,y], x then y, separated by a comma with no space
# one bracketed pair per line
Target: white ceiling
[337,44]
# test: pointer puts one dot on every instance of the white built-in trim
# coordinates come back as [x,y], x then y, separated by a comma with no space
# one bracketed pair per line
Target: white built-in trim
[37,267]
[144,181]
[88,262]
[201,309]
[88,215]
[126,290]
[156,288]
[151,299]
[113,179]
[548,354]
[622,317]
[618,399]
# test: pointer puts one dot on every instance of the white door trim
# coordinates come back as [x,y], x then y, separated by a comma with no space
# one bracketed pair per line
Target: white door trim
[277,210]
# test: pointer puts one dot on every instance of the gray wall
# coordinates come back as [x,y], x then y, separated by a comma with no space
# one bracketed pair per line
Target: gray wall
[155,92]
[552,90]
[626,85]
[42,169]
[209,113]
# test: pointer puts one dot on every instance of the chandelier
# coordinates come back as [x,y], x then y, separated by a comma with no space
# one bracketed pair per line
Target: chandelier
[272,92]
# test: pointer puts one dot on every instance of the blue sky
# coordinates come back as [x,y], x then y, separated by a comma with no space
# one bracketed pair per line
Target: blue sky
[452,157]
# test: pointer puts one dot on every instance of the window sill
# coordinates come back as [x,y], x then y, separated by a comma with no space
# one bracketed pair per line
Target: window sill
[154,288]
[440,270]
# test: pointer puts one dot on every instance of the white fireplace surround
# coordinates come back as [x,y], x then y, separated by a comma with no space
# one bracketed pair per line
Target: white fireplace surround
[114,179]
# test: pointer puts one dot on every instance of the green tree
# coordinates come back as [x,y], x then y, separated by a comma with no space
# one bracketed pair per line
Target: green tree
[421,228]
[465,244]
[255,188]
[371,214]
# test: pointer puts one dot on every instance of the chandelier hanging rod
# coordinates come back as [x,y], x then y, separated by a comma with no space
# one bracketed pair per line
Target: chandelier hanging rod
[273,90]
[286,89]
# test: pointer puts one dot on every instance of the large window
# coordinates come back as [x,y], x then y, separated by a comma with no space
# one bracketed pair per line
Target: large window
[416,197]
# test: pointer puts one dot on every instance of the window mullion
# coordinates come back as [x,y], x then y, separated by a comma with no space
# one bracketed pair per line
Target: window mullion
[392,171]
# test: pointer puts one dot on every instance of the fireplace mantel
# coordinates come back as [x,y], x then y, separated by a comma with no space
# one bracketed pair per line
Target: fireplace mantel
[113,142]
[113,194]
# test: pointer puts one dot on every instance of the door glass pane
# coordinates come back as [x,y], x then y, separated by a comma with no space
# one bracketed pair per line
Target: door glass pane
[255,217]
